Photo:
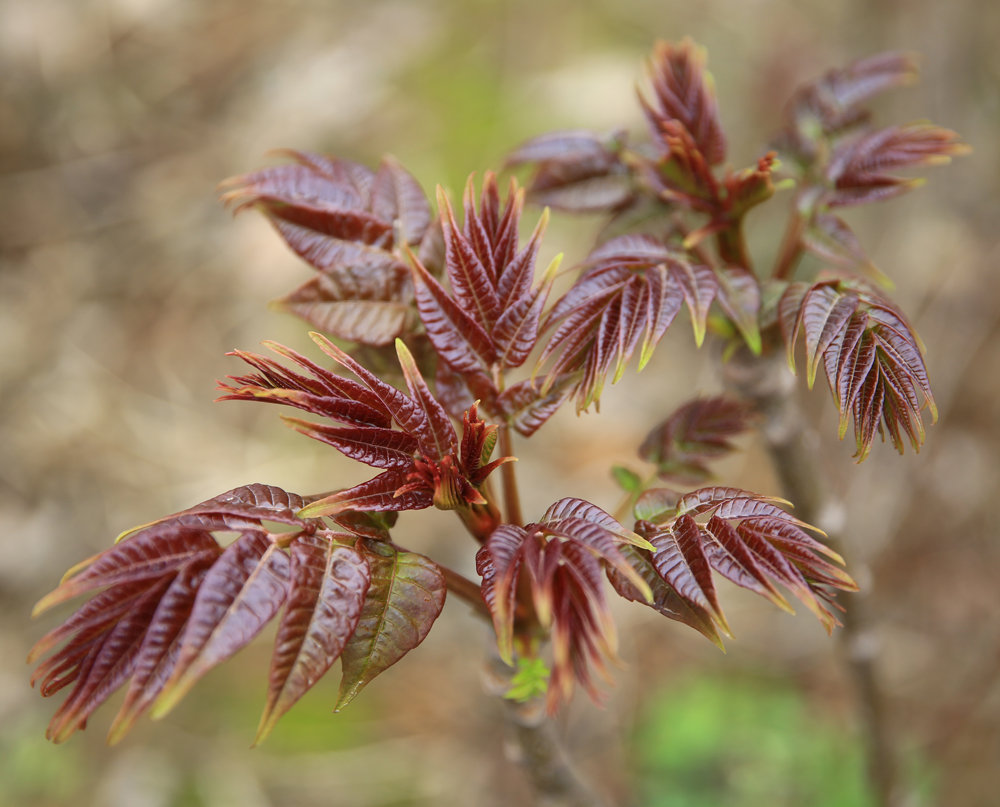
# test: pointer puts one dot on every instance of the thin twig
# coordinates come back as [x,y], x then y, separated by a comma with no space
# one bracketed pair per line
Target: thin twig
[466,589]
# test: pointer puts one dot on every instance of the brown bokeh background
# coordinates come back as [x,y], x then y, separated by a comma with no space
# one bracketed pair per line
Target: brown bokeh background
[123,282]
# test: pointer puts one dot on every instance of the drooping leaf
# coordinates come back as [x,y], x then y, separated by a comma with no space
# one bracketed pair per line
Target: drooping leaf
[872,359]
[240,594]
[406,594]
[329,581]
[665,600]
[158,551]
[108,665]
[160,647]
[749,540]
[679,558]
[560,565]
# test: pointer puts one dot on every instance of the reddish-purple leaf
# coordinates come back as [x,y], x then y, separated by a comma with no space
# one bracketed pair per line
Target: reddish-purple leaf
[680,560]
[833,101]
[473,285]
[372,445]
[110,666]
[377,495]
[410,414]
[457,336]
[699,431]
[329,582]
[858,167]
[526,409]
[833,240]
[398,197]
[731,558]
[160,550]
[739,297]
[577,171]
[240,594]
[872,358]
[160,647]
[368,322]
[683,91]
[665,599]
[435,435]
[344,261]
[498,562]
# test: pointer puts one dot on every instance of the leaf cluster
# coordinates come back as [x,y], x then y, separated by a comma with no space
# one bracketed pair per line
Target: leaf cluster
[441,344]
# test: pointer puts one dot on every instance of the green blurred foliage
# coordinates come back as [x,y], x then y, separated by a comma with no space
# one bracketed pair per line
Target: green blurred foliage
[712,741]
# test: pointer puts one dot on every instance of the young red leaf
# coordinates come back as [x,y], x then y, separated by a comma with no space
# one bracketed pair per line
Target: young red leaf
[108,666]
[397,197]
[832,103]
[683,91]
[459,339]
[696,433]
[437,438]
[157,551]
[378,494]
[160,647]
[472,272]
[665,599]
[324,305]
[240,594]
[329,581]
[680,560]
[858,167]
[872,358]
[351,225]
[631,291]
[577,171]
[406,594]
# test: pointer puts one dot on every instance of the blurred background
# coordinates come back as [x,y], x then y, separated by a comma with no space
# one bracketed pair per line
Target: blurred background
[123,282]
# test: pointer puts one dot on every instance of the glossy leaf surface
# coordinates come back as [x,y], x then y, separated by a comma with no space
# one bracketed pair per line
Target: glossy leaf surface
[329,581]
[682,446]
[406,595]
[873,361]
